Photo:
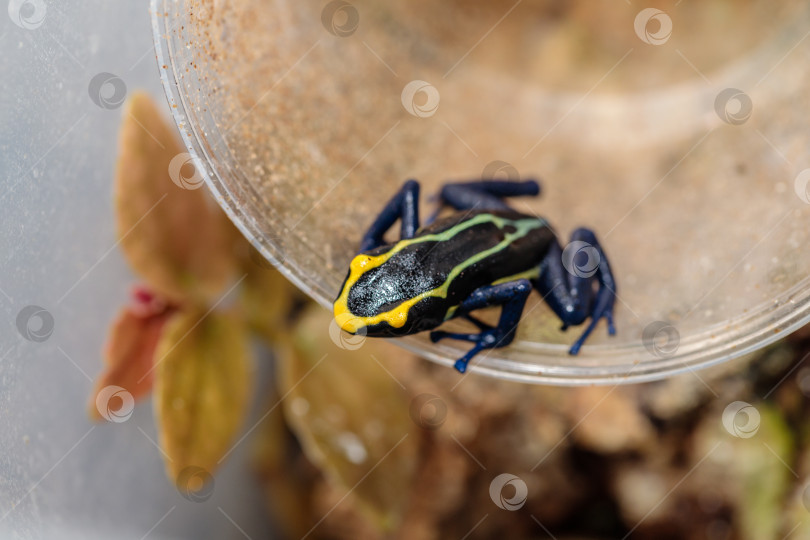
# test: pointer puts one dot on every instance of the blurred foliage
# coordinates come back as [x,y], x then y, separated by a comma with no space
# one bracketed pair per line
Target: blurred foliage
[350,415]
[202,388]
[128,356]
[174,238]
[359,439]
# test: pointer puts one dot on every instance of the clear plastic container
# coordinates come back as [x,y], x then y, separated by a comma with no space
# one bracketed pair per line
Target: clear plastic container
[677,135]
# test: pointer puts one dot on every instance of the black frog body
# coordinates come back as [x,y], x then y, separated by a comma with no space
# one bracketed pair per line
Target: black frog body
[417,283]
[485,255]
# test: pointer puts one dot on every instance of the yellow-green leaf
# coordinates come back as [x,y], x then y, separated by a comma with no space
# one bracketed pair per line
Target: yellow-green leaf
[175,238]
[350,415]
[747,452]
[202,387]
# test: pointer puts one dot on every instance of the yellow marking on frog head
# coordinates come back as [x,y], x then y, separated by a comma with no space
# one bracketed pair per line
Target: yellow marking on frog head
[352,323]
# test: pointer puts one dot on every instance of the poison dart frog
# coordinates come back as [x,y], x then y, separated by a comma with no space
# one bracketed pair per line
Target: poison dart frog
[485,254]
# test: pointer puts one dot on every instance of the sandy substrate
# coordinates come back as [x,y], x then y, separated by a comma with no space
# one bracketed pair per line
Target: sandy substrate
[699,216]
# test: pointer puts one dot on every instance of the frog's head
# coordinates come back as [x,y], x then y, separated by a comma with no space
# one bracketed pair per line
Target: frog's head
[381,294]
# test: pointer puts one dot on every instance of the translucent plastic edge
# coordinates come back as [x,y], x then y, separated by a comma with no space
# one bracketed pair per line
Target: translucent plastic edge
[789,312]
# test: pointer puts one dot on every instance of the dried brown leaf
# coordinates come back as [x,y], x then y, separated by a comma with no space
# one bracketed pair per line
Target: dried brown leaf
[128,355]
[350,415]
[202,386]
[176,239]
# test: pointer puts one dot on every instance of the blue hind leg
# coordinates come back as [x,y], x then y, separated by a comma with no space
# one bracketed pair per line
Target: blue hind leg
[483,194]
[567,282]
[512,296]
[403,206]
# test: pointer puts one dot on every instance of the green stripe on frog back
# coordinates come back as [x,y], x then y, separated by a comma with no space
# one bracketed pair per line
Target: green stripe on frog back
[522,228]
[525,223]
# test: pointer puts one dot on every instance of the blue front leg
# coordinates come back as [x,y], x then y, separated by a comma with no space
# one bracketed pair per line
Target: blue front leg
[403,206]
[570,291]
[512,296]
